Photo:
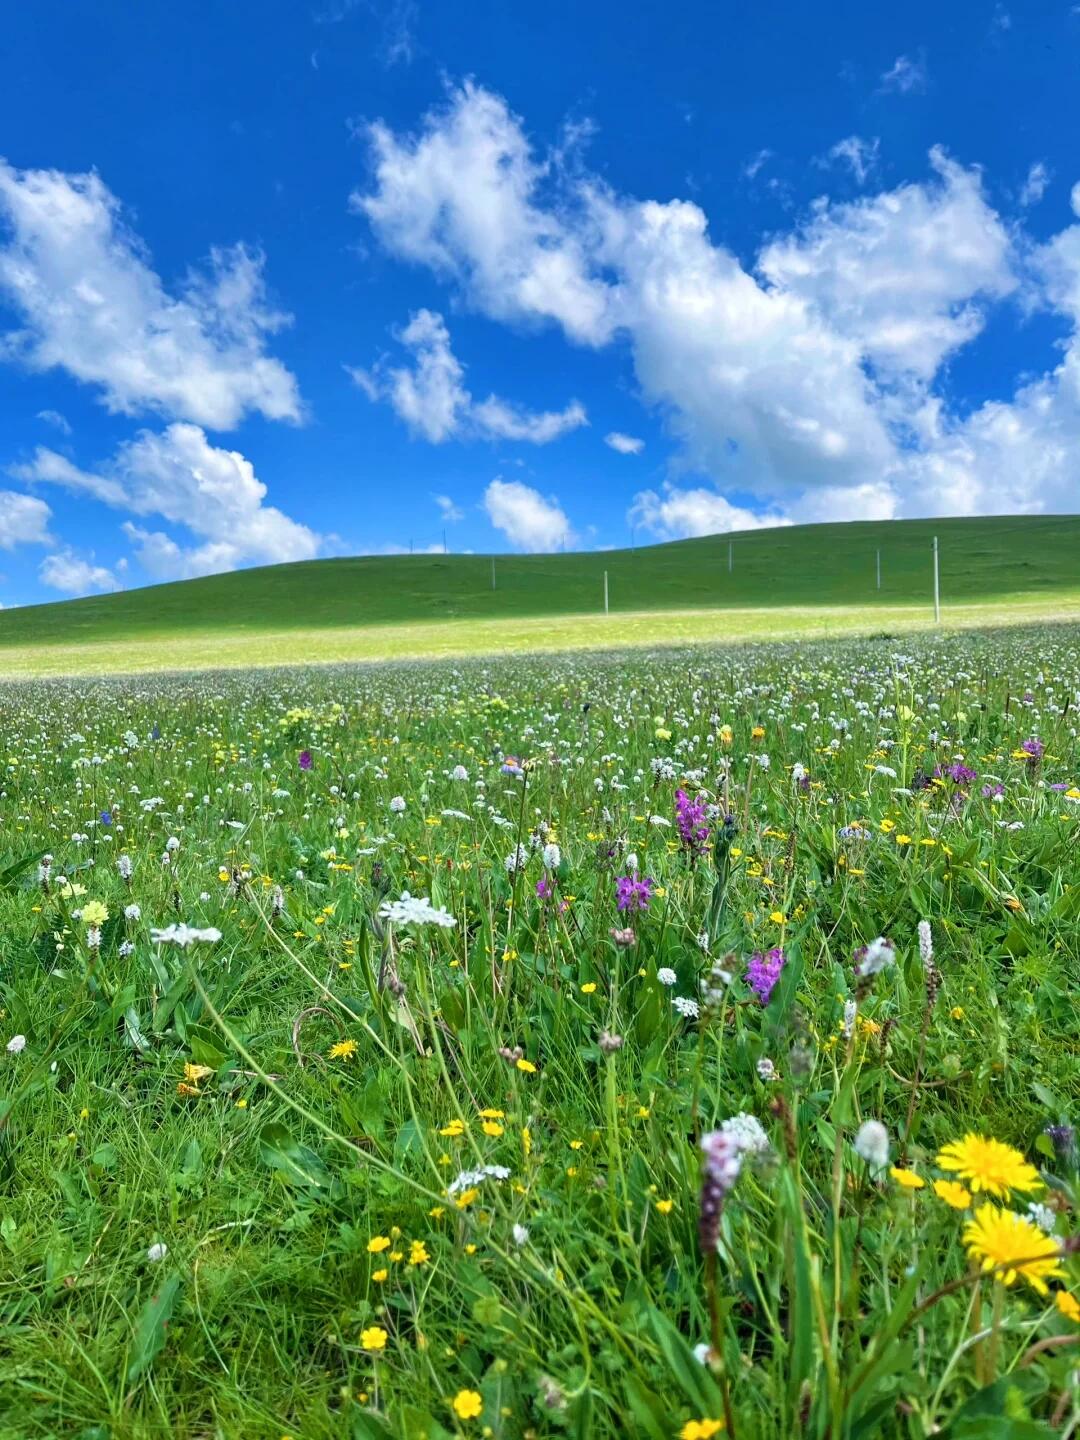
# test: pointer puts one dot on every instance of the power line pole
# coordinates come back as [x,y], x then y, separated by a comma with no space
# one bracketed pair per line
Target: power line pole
[605,593]
[937,586]
[879,569]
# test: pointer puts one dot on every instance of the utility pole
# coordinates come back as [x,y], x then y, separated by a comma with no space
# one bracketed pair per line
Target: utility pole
[605,593]
[879,569]
[937,586]
[493,572]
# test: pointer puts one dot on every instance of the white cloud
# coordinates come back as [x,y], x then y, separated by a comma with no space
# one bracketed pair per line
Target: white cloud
[901,273]
[72,575]
[624,444]
[179,476]
[905,75]
[1034,187]
[92,304]
[450,512]
[676,514]
[432,399]
[525,517]
[861,156]
[810,381]
[24,520]
[459,197]
[55,419]
[752,166]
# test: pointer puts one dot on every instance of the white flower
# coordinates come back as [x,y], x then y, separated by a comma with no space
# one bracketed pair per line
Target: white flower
[850,1011]
[686,1007]
[172,844]
[184,935]
[1043,1216]
[521,1235]
[552,857]
[631,862]
[666,975]
[416,910]
[16,1045]
[926,942]
[517,859]
[766,1069]
[702,1353]
[132,912]
[157,1252]
[747,1133]
[885,770]
[878,956]
[459,773]
[467,1179]
[397,804]
[763,762]
[872,1144]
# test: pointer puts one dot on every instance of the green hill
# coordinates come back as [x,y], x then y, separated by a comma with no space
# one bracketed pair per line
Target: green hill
[808,577]
[804,566]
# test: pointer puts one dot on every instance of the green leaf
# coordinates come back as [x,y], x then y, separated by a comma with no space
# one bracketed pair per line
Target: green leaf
[151,1328]
[299,1165]
[205,1047]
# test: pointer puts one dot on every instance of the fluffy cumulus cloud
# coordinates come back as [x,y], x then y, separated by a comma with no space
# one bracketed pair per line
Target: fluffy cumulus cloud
[72,574]
[810,379]
[179,476]
[431,397]
[24,520]
[90,302]
[527,519]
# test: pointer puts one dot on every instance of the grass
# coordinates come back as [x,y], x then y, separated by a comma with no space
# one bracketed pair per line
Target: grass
[233,1204]
[804,581]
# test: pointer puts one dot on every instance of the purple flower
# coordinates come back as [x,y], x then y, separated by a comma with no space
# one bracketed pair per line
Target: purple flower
[1033,748]
[633,892]
[957,772]
[991,792]
[543,888]
[690,820]
[106,818]
[763,971]
[721,1163]
[304,759]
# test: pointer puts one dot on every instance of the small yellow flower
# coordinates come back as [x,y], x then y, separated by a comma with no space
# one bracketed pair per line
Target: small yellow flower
[903,839]
[700,1429]
[907,1179]
[665,1206]
[492,1127]
[377,1244]
[778,917]
[490,1114]
[453,1128]
[467,1404]
[526,1067]
[957,1012]
[1068,1305]
[953,1193]
[379,1276]
[343,1050]
[195,1073]
[418,1253]
[758,732]
[94,913]
[662,734]
[374,1338]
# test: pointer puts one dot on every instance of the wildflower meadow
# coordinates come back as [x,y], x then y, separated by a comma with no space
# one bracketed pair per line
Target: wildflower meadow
[654,1044]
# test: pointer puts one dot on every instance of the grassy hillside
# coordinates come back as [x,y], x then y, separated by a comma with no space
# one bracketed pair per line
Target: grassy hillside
[820,565]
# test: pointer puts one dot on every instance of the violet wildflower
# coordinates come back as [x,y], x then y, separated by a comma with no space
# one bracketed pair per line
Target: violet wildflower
[543,889]
[957,772]
[304,759]
[763,971]
[1033,748]
[690,821]
[722,1161]
[994,791]
[633,892]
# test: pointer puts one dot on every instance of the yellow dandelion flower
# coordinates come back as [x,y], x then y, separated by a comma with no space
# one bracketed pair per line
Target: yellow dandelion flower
[374,1338]
[665,1206]
[418,1253]
[492,1127]
[490,1114]
[700,1429]
[343,1050]
[1068,1306]
[907,1179]
[526,1067]
[379,1276]
[589,987]
[377,1244]
[453,1128]
[195,1073]
[467,1404]
[953,1193]
[1013,1246]
[989,1165]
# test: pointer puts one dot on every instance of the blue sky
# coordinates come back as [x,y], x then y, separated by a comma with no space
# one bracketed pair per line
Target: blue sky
[287,280]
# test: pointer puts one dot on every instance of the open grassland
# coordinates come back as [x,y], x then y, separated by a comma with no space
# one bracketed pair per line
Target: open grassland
[588,1045]
[803,581]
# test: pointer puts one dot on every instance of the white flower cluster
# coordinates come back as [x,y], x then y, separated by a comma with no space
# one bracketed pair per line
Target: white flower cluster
[467,1179]
[416,910]
[185,935]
